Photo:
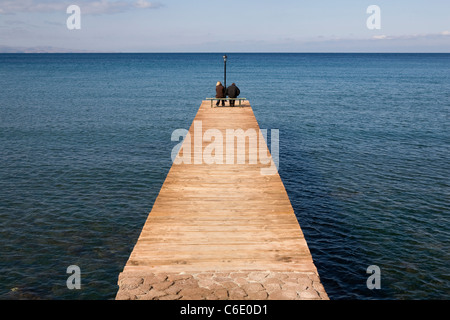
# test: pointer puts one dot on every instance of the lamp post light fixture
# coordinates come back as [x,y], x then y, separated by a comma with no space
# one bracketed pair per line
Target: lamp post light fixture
[225,71]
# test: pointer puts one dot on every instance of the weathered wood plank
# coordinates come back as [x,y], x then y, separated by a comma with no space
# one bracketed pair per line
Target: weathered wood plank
[221,216]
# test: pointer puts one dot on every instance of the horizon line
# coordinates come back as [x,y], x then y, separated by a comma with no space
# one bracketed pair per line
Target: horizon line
[231,52]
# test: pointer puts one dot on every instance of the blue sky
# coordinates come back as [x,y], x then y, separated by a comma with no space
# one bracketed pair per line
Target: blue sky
[228,26]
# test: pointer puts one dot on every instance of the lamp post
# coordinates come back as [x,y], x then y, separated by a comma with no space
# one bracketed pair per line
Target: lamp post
[225,71]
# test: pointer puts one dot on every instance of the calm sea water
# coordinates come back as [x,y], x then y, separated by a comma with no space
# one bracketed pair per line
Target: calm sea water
[364,155]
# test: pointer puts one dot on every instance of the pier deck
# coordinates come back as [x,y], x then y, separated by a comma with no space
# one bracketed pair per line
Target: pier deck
[221,230]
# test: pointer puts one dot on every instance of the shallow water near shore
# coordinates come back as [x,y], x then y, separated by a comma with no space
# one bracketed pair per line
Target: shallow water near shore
[364,147]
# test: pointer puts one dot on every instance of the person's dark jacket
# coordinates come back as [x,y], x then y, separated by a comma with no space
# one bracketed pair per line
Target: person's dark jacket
[233,91]
[220,91]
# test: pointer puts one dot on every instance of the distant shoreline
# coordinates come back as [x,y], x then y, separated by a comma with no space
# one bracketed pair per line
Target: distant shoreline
[58,50]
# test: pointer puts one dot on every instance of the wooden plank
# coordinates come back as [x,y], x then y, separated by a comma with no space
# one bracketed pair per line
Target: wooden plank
[210,217]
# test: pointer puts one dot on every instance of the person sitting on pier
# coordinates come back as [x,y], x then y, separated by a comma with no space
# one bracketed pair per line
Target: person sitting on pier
[232,92]
[220,93]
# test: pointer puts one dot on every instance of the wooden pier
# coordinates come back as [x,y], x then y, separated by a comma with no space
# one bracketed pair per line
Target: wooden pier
[221,226]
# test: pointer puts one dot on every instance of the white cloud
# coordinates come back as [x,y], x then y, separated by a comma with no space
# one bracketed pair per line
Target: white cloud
[87,7]
[380,37]
[144,4]
[413,36]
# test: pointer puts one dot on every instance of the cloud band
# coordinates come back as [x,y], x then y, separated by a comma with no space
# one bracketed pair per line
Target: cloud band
[88,7]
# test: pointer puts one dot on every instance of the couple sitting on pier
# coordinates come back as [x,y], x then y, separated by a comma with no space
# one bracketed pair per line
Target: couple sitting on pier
[232,92]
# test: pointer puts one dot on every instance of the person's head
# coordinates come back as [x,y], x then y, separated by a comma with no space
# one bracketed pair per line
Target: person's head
[218,83]
[233,84]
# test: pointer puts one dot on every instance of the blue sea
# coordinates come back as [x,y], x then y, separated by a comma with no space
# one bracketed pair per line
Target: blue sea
[85,146]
